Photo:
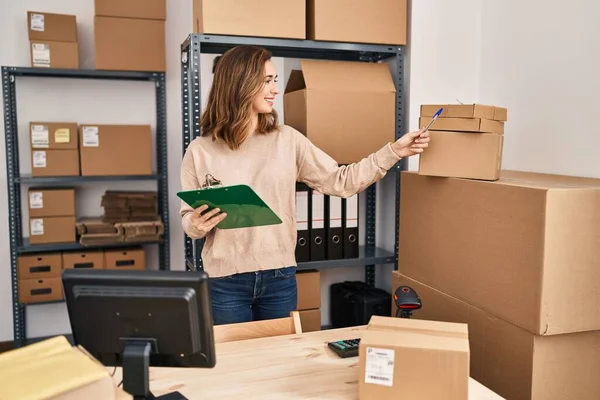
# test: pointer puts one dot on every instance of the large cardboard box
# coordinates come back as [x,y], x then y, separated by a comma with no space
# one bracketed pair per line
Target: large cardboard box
[511,361]
[523,248]
[463,155]
[247,18]
[54,135]
[347,109]
[55,162]
[44,26]
[358,21]
[143,9]
[402,358]
[51,202]
[47,54]
[130,44]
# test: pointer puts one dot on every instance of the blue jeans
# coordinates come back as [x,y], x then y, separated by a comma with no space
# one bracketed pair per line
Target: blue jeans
[254,296]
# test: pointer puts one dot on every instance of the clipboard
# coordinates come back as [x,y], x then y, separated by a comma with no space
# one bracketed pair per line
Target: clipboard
[243,206]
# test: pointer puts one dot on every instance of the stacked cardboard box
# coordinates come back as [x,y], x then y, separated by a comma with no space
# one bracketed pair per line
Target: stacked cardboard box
[130,35]
[51,215]
[53,40]
[516,259]
[467,141]
[309,299]
[38,278]
[54,148]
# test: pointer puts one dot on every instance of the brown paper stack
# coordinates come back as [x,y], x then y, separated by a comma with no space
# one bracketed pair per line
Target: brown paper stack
[122,206]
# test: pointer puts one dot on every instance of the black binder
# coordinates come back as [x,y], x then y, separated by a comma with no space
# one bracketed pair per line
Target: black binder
[335,231]
[317,226]
[350,226]
[303,240]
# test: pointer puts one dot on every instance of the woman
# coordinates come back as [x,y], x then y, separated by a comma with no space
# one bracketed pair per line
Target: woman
[253,270]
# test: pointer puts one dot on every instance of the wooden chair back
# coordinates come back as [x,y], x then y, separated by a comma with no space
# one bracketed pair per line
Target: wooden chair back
[258,329]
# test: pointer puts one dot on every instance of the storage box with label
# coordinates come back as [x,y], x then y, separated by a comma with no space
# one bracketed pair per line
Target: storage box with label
[404,358]
[131,258]
[53,40]
[54,135]
[358,21]
[55,162]
[54,54]
[51,202]
[247,18]
[115,150]
[91,259]
[513,248]
[46,230]
[333,102]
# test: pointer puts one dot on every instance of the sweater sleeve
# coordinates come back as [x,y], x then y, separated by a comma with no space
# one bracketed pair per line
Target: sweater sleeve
[189,181]
[322,173]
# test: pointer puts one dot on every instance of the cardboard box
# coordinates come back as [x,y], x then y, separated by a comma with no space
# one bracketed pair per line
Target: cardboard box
[511,361]
[53,135]
[47,230]
[143,9]
[310,320]
[463,155]
[247,18]
[51,202]
[466,111]
[128,147]
[39,266]
[129,44]
[125,258]
[429,110]
[55,163]
[43,26]
[358,21]
[54,54]
[40,290]
[403,358]
[334,103]
[93,259]
[523,248]
[463,125]
[309,289]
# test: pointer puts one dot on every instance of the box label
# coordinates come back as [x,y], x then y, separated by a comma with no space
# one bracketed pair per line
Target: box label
[36,200]
[39,159]
[37,22]
[91,138]
[379,366]
[37,227]
[39,136]
[41,54]
[62,135]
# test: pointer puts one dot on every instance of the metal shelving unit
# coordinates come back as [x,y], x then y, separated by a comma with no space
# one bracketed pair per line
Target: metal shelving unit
[196,44]
[20,245]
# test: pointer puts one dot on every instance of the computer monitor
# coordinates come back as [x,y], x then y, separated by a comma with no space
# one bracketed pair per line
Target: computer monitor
[137,319]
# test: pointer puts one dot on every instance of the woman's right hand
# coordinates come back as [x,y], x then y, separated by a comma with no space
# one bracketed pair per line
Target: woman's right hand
[204,223]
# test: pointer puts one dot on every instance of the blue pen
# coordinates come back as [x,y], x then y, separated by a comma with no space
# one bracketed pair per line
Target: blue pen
[435,116]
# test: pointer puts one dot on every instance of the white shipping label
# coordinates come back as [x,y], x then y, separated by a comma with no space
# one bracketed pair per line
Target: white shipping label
[37,22]
[39,159]
[318,210]
[36,200]
[36,227]
[379,368]
[40,138]
[302,210]
[91,138]
[40,54]
[352,211]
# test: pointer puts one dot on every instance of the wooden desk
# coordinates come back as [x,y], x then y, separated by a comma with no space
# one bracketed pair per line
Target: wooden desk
[283,367]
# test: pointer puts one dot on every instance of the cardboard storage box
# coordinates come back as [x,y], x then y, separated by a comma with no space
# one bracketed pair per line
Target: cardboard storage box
[40,290]
[309,289]
[125,258]
[511,361]
[43,26]
[463,125]
[92,259]
[116,150]
[130,44]
[39,266]
[358,21]
[347,109]
[54,54]
[247,18]
[463,155]
[523,248]
[143,9]
[55,163]
[45,230]
[466,111]
[53,135]
[403,358]
[51,202]
[310,320]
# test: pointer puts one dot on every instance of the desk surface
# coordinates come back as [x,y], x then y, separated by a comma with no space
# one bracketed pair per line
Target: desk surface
[283,367]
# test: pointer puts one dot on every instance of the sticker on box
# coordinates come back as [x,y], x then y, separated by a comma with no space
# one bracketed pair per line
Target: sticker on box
[62,135]
[39,136]
[379,366]
[40,54]
[39,159]
[37,227]
[37,22]
[36,200]
[91,138]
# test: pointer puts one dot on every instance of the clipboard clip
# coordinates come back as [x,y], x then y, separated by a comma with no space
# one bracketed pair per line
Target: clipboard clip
[211,181]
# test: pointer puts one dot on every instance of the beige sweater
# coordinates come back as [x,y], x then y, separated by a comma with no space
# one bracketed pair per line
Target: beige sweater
[271,165]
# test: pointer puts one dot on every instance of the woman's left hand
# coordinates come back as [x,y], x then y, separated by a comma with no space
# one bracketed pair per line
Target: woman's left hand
[411,143]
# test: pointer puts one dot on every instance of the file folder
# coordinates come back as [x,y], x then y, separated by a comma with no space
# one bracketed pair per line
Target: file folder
[335,232]
[302,240]
[317,227]
[350,226]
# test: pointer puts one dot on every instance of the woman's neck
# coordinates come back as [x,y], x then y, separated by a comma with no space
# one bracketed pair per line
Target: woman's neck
[254,124]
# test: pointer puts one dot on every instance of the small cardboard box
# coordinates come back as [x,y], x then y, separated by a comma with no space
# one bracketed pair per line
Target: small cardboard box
[309,289]
[358,21]
[429,110]
[476,125]
[40,290]
[93,259]
[404,358]
[463,155]
[126,258]
[39,266]
[50,202]
[43,26]
[334,103]
[47,230]
[247,18]
[310,320]
[142,9]
[55,163]
[466,111]
[130,44]
[49,54]
[129,147]
[53,135]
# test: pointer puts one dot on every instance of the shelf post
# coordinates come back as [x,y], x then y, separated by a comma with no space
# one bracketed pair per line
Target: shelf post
[400,130]
[162,168]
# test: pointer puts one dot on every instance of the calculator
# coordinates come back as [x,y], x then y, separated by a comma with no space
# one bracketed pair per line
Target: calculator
[345,348]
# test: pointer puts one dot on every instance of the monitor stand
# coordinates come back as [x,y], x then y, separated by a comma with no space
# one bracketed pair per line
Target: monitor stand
[136,364]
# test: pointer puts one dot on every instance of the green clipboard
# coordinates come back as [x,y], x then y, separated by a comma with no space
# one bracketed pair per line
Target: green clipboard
[243,206]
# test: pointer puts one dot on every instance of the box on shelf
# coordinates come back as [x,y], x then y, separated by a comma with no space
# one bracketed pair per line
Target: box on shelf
[129,147]
[39,266]
[40,290]
[130,44]
[247,18]
[125,258]
[333,102]
[358,21]
[46,230]
[49,54]
[408,358]
[511,361]
[91,259]
[53,135]
[51,202]
[44,26]
[142,9]
[55,163]
[310,320]
[513,248]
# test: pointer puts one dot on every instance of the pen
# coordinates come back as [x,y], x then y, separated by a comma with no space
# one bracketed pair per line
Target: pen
[435,116]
